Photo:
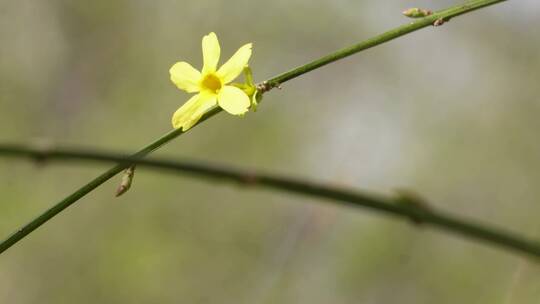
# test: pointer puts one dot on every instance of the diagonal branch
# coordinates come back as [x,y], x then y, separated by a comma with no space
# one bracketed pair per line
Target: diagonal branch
[401,206]
[445,15]
[263,87]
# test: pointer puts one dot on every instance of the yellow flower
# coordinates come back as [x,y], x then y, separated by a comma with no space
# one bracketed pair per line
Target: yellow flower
[210,83]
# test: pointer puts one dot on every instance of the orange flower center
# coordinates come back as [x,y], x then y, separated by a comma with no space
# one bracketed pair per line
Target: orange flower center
[211,82]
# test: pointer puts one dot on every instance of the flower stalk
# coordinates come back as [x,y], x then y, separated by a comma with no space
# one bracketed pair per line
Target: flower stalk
[261,87]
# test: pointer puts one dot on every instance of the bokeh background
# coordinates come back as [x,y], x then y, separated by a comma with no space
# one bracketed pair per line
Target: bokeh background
[450,112]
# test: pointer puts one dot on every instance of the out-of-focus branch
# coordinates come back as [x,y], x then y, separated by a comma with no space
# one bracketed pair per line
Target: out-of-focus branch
[436,18]
[405,204]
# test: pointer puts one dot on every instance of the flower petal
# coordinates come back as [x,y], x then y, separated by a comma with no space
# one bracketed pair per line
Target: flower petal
[185,77]
[233,100]
[190,112]
[182,115]
[234,66]
[211,51]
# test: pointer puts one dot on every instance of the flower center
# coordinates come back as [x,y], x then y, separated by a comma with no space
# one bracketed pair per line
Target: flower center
[211,82]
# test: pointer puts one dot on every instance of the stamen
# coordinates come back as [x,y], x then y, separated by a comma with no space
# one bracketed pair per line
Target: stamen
[211,82]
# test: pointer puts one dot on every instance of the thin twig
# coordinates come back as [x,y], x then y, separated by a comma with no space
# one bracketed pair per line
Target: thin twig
[385,204]
[267,85]
[420,23]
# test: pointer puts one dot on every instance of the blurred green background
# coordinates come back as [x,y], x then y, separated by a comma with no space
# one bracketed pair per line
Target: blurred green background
[451,112]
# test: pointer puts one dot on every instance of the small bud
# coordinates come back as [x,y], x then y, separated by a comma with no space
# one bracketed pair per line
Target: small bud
[439,22]
[251,89]
[127,179]
[416,12]
[264,86]
[412,200]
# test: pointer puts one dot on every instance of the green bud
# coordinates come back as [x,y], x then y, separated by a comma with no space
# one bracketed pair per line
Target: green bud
[413,201]
[249,87]
[417,12]
[255,99]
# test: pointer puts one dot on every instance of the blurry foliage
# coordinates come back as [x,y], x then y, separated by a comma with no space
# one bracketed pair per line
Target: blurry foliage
[450,112]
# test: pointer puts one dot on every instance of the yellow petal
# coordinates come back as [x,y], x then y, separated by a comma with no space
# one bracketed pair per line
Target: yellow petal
[190,112]
[185,77]
[233,100]
[207,101]
[211,51]
[234,66]
[184,112]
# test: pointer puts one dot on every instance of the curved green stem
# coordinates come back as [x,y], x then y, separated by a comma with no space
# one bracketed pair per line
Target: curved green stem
[397,206]
[266,85]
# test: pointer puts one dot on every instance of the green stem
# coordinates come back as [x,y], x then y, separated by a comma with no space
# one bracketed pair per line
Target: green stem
[397,206]
[273,82]
[382,38]
[66,202]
